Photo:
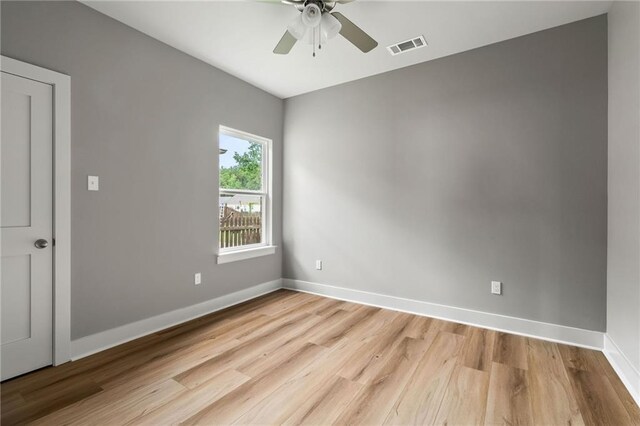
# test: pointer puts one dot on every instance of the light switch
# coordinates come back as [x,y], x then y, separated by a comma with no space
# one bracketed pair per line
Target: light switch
[93,183]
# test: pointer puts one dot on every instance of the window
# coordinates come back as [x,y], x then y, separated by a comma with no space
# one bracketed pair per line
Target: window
[244,196]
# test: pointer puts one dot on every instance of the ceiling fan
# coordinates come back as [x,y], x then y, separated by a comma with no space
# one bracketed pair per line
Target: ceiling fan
[318,23]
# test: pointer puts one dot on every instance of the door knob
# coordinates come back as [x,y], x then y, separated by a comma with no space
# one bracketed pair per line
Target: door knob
[41,243]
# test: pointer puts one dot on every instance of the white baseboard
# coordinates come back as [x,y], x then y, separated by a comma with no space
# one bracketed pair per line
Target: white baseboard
[557,333]
[88,345]
[540,330]
[629,375]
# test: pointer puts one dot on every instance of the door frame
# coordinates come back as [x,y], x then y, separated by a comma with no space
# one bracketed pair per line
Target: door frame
[61,85]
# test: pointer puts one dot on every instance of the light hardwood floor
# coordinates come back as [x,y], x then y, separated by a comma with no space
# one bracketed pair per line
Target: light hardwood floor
[291,358]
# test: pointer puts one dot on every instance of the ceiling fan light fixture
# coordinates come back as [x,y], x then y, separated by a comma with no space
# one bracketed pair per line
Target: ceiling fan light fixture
[330,26]
[311,15]
[297,28]
[317,21]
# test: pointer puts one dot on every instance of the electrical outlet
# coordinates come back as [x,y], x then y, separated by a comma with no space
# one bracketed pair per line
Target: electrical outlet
[496,287]
[319,265]
[197,279]
[93,183]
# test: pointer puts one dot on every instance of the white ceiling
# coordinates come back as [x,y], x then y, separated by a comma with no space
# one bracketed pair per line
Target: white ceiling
[239,36]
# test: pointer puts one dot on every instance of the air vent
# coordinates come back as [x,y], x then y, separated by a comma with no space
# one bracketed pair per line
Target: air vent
[407,45]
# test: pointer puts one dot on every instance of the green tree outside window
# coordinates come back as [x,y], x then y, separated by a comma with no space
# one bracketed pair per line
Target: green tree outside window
[247,173]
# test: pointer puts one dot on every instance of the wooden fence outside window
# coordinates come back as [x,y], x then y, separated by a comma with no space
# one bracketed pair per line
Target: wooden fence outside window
[239,228]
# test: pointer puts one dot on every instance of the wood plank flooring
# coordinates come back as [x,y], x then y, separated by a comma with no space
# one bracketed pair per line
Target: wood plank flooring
[294,358]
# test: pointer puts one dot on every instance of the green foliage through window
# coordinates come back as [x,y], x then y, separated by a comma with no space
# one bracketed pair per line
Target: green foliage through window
[246,173]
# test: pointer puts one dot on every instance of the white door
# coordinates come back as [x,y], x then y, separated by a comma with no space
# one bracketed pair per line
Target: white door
[26,218]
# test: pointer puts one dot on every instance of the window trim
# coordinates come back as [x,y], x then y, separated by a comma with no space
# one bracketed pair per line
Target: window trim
[247,253]
[230,254]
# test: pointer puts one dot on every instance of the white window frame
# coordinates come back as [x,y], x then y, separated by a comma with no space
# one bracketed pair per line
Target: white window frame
[231,254]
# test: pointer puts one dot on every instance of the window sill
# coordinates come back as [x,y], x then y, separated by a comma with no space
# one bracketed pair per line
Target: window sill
[234,256]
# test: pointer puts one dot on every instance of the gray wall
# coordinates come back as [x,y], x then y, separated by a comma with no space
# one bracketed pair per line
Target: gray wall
[426,182]
[145,119]
[623,268]
[430,181]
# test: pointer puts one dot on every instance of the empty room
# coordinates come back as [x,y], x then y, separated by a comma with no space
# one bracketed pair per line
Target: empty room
[266,212]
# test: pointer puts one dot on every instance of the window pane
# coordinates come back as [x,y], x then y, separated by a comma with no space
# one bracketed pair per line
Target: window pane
[240,220]
[240,163]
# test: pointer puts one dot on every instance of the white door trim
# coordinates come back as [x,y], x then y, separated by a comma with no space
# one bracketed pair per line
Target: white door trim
[61,197]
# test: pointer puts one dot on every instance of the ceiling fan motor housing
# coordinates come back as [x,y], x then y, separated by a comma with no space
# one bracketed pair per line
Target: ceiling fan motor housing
[324,6]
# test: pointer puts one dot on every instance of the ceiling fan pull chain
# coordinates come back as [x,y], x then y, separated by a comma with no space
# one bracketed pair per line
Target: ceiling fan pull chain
[320,36]
[313,41]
